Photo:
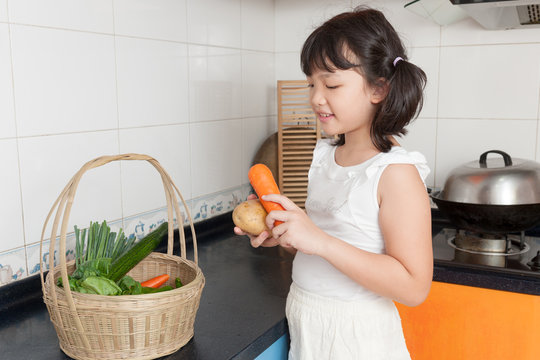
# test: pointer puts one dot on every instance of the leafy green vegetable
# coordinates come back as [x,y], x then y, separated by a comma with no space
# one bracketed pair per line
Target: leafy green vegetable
[97,249]
[178,283]
[130,286]
[101,285]
[96,267]
[99,242]
[73,284]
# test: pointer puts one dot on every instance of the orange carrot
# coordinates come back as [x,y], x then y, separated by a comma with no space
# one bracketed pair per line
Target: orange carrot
[156,282]
[263,183]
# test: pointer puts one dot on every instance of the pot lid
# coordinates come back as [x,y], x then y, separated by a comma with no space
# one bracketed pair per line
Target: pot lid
[499,180]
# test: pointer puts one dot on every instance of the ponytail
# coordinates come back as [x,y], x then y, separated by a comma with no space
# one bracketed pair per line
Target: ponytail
[402,104]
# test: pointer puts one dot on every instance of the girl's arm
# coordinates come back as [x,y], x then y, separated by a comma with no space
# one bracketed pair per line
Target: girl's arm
[405,272]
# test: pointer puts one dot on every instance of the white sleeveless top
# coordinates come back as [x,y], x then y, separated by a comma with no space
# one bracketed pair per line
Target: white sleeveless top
[342,201]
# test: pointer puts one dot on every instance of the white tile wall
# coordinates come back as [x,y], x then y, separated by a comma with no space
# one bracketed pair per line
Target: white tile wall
[490,81]
[258,31]
[295,20]
[7,122]
[191,82]
[3,11]
[88,78]
[85,15]
[258,86]
[47,163]
[215,22]
[427,58]
[216,153]
[156,19]
[64,80]
[10,193]
[152,79]
[288,66]
[463,140]
[215,75]
[142,188]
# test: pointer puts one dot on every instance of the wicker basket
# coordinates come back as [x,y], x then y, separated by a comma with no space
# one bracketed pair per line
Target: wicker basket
[130,326]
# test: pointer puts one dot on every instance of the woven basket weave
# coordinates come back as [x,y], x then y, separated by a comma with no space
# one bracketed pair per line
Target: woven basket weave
[145,326]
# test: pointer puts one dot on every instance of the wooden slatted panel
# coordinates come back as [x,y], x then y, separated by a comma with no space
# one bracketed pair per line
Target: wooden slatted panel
[298,132]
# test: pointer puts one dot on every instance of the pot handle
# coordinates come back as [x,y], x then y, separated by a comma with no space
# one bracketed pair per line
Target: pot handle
[507,159]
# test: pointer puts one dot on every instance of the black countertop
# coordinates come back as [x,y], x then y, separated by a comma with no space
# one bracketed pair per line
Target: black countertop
[241,313]
[242,308]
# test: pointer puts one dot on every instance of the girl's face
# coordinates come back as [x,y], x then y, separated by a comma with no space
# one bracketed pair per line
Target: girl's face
[342,100]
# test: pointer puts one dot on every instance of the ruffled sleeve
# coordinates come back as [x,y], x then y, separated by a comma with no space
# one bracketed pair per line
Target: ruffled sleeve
[398,155]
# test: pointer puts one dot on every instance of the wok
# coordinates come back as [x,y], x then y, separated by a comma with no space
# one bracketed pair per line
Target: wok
[488,218]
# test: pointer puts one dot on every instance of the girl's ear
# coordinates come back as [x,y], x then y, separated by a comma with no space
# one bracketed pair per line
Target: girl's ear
[379,91]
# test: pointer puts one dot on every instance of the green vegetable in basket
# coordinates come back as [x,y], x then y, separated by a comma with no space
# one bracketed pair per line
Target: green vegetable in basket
[100,285]
[150,290]
[139,251]
[178,282]
[96,249]
[103,259]
[130,286]
[74,284]
[95,267]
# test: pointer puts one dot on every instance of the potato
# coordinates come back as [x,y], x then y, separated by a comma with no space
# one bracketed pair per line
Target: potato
[250,216]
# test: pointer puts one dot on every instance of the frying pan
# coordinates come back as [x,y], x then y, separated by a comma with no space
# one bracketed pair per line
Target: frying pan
[486,218]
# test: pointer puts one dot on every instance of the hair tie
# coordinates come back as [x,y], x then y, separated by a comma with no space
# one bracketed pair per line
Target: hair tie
[396,60]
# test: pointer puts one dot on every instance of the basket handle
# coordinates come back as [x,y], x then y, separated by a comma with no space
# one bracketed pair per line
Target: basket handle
[64,203]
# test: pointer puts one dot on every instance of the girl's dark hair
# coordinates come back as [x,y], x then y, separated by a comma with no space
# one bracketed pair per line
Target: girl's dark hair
[364,40]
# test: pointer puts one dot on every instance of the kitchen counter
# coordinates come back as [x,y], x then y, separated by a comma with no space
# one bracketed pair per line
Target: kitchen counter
[241,313]
[242,309]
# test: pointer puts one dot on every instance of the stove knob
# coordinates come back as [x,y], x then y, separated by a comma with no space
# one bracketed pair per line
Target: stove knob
[535,262]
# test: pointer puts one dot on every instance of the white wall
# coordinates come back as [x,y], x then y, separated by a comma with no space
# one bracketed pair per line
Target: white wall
[483,87]
[189,82]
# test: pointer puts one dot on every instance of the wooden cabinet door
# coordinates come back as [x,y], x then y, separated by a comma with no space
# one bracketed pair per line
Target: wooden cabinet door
[459,322]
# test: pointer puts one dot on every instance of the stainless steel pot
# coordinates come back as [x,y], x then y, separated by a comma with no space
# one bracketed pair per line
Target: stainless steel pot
[498,195]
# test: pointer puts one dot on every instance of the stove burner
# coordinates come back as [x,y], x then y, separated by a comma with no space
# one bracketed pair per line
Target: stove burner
[489,244]
[522,257]
[534,264]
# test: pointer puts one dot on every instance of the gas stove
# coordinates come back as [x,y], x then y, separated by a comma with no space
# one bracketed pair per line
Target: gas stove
[516,253]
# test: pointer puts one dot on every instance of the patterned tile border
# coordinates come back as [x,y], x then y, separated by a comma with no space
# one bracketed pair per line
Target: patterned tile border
[14,263]
[12,266]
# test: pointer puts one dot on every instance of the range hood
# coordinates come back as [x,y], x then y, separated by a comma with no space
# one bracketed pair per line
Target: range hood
[502,14]
[441,12]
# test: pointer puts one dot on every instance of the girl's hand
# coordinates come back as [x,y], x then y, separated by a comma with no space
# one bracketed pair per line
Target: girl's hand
[264,239]
[297,230]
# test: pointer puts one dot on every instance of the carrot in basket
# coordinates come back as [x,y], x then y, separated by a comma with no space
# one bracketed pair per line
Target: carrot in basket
[156,282]
[263,183]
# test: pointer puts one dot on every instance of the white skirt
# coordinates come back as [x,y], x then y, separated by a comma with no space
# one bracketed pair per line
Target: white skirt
[325,328]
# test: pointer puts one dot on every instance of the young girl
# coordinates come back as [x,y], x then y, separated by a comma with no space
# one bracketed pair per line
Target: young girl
[365,238]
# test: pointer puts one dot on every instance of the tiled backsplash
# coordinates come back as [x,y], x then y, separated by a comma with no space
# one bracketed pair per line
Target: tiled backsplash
[25,261]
